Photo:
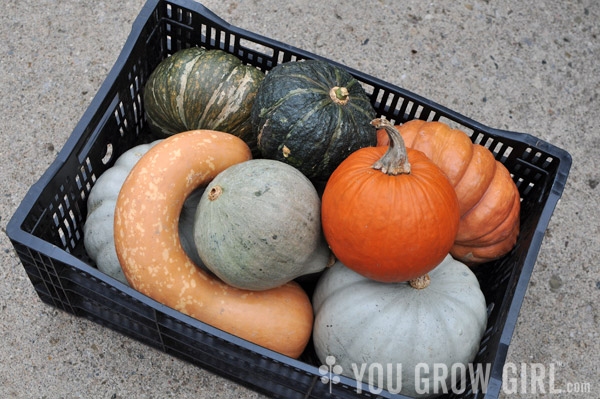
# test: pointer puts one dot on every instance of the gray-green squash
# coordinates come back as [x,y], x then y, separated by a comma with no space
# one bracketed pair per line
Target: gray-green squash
[362,321]
[258,225]
[202,89]
[98,233]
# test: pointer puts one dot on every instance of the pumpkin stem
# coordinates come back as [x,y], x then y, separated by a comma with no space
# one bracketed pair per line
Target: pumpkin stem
[395,159]
[420,282]
[339,95]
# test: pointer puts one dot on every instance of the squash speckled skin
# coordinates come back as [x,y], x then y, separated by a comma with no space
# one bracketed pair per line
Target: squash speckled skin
[202,89]
[391,323]
[299,121]
[155,264]
[258,225]
[98,236]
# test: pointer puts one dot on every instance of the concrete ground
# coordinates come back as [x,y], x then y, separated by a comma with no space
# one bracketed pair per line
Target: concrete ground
[523,66]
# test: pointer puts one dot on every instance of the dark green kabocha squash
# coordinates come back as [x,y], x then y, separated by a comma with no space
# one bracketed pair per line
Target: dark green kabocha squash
[312,115]
[202,89]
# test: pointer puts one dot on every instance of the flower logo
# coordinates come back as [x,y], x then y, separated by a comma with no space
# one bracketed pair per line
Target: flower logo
[330,372]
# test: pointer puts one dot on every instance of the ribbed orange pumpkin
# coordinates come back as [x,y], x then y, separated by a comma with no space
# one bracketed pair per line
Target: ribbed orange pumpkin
[389,214]
[488,198]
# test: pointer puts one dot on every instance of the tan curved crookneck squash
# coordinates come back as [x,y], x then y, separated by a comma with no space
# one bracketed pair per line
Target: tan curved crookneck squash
[154,263]
[488,198]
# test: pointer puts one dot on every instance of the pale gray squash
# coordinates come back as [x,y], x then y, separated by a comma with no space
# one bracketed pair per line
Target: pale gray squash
[98,236]
[362,321]
[258,225]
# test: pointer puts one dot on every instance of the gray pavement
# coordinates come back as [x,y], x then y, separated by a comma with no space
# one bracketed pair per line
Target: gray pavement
[523,66]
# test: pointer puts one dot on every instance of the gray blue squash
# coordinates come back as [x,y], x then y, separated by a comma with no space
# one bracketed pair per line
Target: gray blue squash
[258,225]
[436,320]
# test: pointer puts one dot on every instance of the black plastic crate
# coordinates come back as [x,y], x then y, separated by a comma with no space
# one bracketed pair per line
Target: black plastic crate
[46,229]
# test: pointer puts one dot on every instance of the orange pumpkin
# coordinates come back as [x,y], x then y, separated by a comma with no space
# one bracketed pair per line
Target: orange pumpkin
[488,198]
[389,214]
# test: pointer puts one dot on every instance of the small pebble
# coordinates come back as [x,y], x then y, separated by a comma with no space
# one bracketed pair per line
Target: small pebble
[555,282]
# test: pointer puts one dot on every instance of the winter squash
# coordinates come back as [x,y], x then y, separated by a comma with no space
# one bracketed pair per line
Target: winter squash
[312,115]
[394,323]
[202,89]
[389,214]
[258,225]
[154,263]
[98,237]
[488,198]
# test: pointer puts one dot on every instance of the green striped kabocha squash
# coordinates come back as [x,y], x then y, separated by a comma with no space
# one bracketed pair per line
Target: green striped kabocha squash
[312,115]
[197,88]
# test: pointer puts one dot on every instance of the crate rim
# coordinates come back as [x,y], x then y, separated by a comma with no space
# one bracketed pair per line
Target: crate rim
[16,234]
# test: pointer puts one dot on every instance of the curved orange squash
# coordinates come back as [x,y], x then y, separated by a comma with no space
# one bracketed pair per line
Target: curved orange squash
[488,198]
[154,263]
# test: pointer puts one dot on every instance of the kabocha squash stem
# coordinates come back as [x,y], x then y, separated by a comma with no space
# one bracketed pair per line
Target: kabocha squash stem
[395,160]
[339,95]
